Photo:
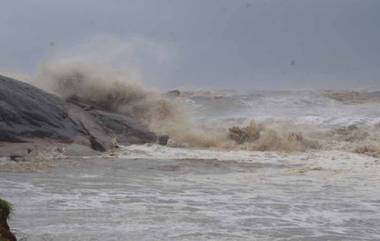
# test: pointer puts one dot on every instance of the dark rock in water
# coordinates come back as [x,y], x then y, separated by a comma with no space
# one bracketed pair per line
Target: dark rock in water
[27,112]
[126,129]
[163,140]
[17,158]
[173,93]
[107,126]
[95,144]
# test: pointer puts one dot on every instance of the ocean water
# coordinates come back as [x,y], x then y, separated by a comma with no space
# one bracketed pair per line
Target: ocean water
[152,192]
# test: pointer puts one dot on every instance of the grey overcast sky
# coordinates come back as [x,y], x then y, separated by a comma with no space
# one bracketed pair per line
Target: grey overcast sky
[237,44]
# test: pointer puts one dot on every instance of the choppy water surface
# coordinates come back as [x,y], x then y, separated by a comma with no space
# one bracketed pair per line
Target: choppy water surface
[150,192]
[243,196]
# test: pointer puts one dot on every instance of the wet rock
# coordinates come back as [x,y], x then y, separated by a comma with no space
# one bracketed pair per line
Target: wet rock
[125,128]
[95,144]
[28,113]
[17,158]
[105,126]
[173,93]
[115,143]
[21,155]
[163,140]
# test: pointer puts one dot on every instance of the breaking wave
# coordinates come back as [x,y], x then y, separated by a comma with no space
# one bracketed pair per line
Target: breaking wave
[354,97]
[285,120]
[115,90]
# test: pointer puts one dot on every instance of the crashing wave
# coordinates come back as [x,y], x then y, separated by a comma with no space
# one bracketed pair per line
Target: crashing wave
[117,90]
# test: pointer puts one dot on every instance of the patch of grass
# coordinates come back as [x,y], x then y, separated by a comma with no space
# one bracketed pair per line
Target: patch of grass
[5,209]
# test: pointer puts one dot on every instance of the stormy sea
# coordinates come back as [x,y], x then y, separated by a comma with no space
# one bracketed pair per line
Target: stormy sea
[252,165]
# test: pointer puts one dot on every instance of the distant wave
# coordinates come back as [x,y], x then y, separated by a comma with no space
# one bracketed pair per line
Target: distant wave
[354,97]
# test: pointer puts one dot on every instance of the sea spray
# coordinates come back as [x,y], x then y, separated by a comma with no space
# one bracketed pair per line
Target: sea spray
[115,90]
[121,90]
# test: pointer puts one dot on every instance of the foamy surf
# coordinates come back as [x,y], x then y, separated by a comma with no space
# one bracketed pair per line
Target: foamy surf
[289,121]
[176,153]
[268,165]
[191,194]
[326,159]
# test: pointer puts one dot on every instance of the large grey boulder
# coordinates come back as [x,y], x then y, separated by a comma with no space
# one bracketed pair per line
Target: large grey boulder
[27,112]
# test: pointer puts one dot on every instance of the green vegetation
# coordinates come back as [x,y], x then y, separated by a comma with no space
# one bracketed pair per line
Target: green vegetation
[5,212]
[5,209]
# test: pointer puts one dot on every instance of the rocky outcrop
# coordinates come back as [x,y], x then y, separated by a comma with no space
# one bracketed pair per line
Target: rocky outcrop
[5,211]
[103,127]
[27,112]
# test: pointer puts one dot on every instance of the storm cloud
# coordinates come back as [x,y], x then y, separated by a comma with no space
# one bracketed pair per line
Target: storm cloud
[259,44]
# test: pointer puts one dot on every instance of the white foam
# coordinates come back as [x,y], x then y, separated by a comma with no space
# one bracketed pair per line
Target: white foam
[326,159]
[163,152]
